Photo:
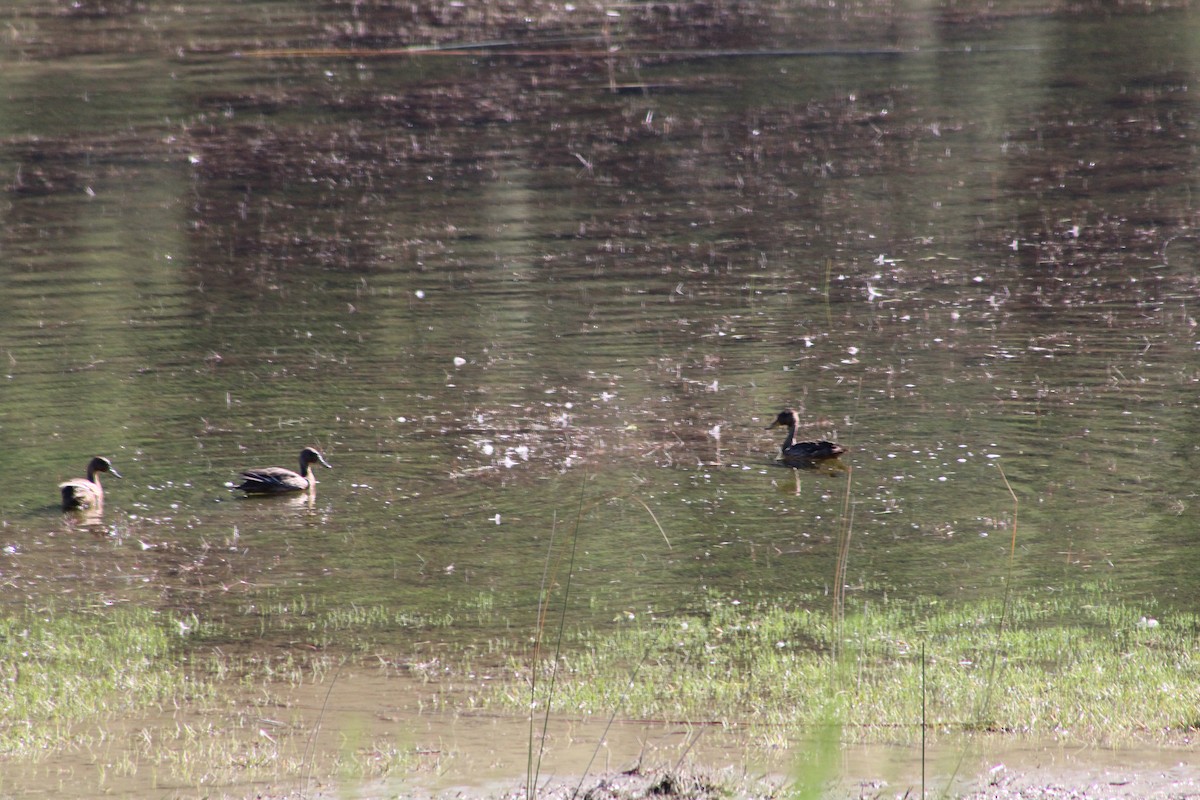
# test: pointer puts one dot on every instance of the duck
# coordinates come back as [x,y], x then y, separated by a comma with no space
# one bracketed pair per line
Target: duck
[86,494]
[802,454]
[277,480]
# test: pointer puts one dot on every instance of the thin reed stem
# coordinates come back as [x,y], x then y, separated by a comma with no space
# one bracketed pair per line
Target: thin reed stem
[539,629]
[653,647]
[535,765]
[1004,606]
[843,560]
[924,720]
[311,745]
[990,684]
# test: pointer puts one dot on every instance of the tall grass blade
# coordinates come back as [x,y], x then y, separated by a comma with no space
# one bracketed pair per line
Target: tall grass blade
[843,559]
[311,745]
[1005,604]
[819,761]
[655,646]
[543,606]
[539,629]
[924,720]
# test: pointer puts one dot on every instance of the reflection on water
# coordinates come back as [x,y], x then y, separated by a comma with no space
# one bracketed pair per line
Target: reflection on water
[500,297]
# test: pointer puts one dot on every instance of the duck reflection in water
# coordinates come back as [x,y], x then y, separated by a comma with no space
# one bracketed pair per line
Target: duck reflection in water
[277,480]
[86,495]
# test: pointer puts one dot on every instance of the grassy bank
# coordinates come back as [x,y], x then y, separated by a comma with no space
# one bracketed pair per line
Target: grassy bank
[1069,663]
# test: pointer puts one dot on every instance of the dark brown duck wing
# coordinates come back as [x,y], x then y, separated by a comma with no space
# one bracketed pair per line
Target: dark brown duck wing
[80,494]
[812,451]
[272,480]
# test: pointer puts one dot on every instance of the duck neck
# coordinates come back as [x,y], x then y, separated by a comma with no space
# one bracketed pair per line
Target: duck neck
[791,437]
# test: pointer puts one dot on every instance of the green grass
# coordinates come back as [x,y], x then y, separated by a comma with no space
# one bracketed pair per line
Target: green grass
[1069,663]
[145,692]
[63,667]
[324,623]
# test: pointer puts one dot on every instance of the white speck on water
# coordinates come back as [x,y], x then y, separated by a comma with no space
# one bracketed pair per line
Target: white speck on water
[420,294]
[459,361]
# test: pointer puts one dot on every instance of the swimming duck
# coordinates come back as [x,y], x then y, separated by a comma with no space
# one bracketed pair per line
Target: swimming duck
[802,454]
[83,494]
[277,480]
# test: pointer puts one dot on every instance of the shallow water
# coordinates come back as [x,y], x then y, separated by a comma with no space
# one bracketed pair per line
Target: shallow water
[511,305]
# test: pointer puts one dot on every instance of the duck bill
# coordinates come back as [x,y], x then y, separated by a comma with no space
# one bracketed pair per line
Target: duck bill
[113,472]
[774,424]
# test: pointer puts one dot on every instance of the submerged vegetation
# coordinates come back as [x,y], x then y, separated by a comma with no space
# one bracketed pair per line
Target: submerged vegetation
[140,689]
[66,667]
